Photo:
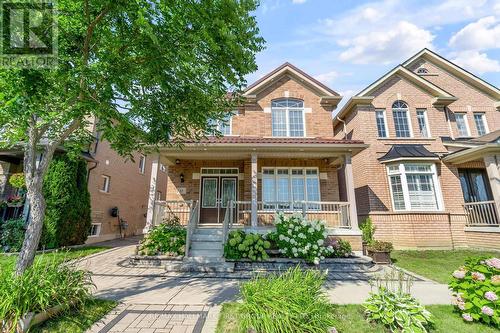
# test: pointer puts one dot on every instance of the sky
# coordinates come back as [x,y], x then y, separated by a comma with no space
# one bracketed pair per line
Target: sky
[349,44]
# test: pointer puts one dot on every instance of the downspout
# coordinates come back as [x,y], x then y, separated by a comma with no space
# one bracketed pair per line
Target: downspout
[448,122]
[343,127]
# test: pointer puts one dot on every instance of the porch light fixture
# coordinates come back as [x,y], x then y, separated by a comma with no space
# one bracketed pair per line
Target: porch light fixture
[177,161]
[182,177]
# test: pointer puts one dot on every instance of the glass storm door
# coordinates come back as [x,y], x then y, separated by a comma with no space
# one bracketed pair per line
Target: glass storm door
[475,185]
[216,192]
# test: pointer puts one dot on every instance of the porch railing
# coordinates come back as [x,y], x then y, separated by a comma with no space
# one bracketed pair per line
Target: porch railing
[165,210]
[191,227]
[482,214]
[335,214]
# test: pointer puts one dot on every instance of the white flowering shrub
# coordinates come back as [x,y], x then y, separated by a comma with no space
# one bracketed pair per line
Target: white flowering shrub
[300,238]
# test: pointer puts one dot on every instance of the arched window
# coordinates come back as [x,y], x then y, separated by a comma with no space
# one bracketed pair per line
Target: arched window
[401,119]
[287,117]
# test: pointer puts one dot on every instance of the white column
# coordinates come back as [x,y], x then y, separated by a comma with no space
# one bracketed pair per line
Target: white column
[254,189]
[153,184]
[349,186]
[492,163]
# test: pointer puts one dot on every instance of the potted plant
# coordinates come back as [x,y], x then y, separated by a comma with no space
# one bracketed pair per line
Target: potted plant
[15,201]
[380,252]
[368,230]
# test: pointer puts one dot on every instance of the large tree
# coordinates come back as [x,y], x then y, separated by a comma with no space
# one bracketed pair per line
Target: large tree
[148,70]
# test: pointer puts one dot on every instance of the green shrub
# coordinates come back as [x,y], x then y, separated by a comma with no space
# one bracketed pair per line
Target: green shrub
[368,230]
[248,246]
[67,217]
[12,235]
[168,238]
[477,289]
[291,302]
[379,246]
[16,180]
[43,285]
[393,306]
[299,238]
[339,248]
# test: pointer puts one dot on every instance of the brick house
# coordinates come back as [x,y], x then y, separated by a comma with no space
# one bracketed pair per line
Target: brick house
[433,156]
[277,153]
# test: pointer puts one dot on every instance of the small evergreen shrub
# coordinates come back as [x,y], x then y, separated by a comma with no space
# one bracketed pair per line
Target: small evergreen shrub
[12,235]
[300,238]
[16,180]
[340,248]
[241,245]
[291,302]
[379,246]
[368,230]
[168,238]
[67,216]
[477,289]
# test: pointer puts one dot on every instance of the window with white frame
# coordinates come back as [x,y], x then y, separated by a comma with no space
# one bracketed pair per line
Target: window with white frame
[414,186]
[287,117]
[423,123]
[481,125]
[462,125]
[106,183]
[381,123]
[290,184]
[142,163]
[222,126]
[401,119]
[95,230]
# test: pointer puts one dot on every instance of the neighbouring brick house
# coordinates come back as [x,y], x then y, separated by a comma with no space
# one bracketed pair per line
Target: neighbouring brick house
[430,177]
[277,152]
[113,181]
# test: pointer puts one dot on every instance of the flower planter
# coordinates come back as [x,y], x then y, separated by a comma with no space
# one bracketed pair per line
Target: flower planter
[380,257]
[30,319]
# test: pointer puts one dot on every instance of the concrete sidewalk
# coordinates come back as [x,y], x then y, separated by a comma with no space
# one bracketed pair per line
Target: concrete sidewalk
[153,300]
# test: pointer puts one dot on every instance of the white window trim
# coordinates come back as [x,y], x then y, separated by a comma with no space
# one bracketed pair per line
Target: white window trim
[290,176]
[98,233]
[426,120]
[408,121]
[485,122]
[406,193]
[287,122]
[142,169]
[466,124]
[384,113]
[106,184]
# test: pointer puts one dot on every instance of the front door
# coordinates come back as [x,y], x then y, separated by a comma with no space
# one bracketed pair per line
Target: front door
[475,185]
[216,192]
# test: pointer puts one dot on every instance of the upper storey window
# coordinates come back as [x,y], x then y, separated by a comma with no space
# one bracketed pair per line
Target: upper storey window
[462,125]
[401,119]
[481,126]
[287,117]
[223,126]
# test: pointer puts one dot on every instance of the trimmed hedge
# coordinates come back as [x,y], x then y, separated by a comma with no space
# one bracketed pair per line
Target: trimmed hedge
[67,217]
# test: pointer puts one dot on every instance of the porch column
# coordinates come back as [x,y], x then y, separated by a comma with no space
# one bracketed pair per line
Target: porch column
[351,197]
[492,163]
[153,184]
[254,189]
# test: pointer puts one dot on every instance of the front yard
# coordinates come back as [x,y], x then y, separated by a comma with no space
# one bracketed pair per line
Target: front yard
[436,265]
[350,319]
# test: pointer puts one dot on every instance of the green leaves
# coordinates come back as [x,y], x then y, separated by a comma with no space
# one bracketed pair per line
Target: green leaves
[243,245]
[168,238]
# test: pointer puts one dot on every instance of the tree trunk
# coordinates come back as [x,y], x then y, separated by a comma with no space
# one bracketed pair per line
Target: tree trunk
[34,229]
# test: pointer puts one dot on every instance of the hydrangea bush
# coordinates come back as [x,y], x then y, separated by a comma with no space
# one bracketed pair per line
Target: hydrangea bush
[246,245]
[477,289]
[300,238]
[168,238]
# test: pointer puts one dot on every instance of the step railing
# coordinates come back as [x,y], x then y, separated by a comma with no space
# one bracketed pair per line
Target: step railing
[482,214]
[191,227]
[166,210]
[227,223]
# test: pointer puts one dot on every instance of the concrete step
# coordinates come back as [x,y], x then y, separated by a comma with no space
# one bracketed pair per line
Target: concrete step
[208,231]
[206,253]
[207,267]
[204,245]
[206,238]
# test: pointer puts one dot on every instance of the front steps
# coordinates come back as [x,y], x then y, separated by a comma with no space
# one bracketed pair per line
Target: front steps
[206,243]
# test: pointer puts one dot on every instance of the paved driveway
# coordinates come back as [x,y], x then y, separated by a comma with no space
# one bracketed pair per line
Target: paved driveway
[153,300]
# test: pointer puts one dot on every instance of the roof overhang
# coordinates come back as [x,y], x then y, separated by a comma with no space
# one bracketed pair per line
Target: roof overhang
[459,72]
[472,154]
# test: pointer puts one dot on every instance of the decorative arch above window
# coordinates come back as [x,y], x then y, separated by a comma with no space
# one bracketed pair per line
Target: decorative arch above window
[401,117]
[287,116]
[422,70]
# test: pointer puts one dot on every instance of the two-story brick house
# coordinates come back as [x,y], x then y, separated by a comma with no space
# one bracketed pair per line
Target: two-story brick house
[276,153]
[424,180]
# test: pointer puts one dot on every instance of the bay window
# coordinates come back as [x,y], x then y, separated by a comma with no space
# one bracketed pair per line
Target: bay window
[287,117]
[414,186]
[288,185]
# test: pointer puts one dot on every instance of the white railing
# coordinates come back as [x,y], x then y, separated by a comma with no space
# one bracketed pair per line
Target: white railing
[191,226]
[482,214]
[335,214]
[166,210]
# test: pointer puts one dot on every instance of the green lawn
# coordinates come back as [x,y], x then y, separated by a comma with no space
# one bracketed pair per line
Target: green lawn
[7,261]
[350,319]
[436,265]
[76,320]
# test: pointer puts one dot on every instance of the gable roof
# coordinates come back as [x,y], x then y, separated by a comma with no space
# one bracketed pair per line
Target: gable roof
[301,76]
[456,70]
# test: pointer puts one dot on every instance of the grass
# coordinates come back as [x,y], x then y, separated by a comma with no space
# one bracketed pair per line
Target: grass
[8,261]
[76,320]
[436,265]
[350,319]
